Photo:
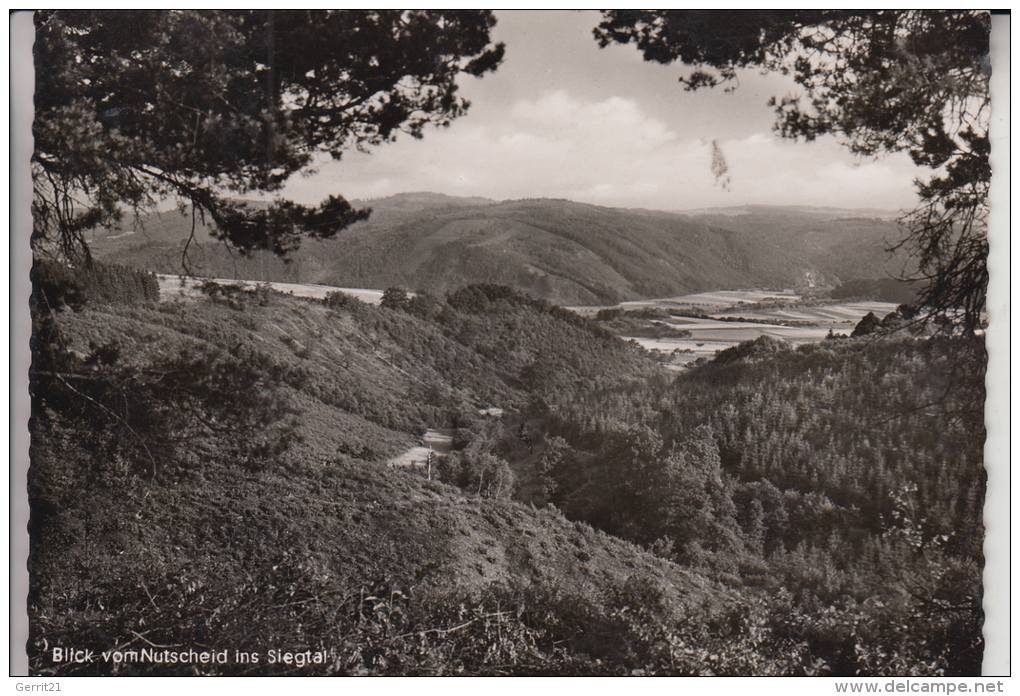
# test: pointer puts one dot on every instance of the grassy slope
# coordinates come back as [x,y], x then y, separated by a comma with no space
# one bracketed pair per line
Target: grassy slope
[246,560]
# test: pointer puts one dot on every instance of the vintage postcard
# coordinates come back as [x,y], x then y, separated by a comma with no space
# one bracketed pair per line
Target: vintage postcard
[471,342]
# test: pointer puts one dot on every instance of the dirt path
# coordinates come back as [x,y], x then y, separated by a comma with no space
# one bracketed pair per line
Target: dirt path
[439,442]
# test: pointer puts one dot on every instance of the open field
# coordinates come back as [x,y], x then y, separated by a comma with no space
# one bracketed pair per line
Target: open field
[720,300]
[780,313]
[844,311]
[177,286]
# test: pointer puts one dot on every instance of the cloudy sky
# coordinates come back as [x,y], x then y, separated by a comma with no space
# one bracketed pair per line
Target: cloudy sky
[562,118]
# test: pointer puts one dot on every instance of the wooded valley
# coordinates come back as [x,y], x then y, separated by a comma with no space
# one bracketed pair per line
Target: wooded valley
[211,472]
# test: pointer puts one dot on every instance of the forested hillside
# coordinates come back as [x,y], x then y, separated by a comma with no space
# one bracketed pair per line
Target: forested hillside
[564,252]
[841,482]
[811,510]
[844,245]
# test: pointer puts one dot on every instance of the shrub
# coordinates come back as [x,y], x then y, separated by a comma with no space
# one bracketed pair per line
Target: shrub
[342,302]
[237,295]
[395,298]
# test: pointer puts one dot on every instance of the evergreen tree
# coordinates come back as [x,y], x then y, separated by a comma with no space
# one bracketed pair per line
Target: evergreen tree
[199,105]
[883,81]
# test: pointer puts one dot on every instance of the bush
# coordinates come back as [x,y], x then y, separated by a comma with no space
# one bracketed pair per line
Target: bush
[237,295]
[342,302]
[395,298]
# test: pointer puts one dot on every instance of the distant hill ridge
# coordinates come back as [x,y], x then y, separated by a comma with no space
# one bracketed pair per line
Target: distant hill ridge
[562,251]
[827,212]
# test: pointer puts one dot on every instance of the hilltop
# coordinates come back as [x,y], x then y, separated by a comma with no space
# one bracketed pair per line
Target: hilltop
[565,252]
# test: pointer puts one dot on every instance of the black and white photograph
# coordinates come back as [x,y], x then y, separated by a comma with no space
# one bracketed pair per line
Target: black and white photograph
[512,343]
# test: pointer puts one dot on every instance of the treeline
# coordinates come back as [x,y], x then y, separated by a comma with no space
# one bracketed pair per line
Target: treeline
[647,322]
[55,285]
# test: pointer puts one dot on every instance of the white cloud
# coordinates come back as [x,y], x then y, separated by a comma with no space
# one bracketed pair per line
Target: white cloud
[563,118]
[609,152]
[767,168]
